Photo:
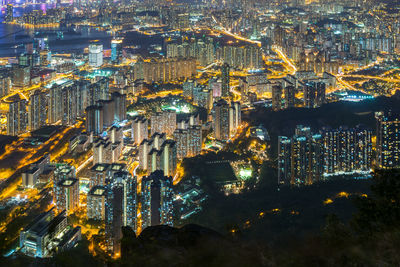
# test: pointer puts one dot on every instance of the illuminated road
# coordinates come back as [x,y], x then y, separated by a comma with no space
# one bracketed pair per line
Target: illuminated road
[31,156]
[84,164]
[163,94]
[291,67]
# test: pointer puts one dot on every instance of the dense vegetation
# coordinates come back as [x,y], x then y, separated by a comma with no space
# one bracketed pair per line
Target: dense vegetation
[370,238]
[333,115]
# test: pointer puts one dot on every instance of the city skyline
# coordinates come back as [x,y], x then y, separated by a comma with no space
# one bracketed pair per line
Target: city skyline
[124,121]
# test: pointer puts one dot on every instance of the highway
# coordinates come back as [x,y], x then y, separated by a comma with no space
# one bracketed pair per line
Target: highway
[291,68]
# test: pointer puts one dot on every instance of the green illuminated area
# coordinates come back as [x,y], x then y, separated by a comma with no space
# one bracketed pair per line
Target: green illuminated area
[179,108]
[245,173]
[242,169]
[57,82]
[175,103]
[105,72]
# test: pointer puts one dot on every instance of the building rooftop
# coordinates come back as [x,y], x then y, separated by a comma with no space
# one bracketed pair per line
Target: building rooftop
[68,182]
[97,191]
[100,167]
[45,222]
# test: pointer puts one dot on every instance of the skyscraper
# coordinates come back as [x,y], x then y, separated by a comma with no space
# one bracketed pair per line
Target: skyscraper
[289,96]
[116,50]
[118,107]
[69,104]
[181,137]
[66,194]
[63,103]
[106,150]
[94,119]
[37,114]
[157,200]
[140,129]
[276,97]
[98,174]
[225,80]
[158,153]
[221,120]
[163,122]
[9,13]
[347,150]
[314,94]
[168,158]
[62,172]
[195,140]
[17,116]
[235,118]
[284,160]
[300,158]
[188,87]
[120,208]
[146,146]
[95,54]
[5,82]
[387,140]
[21,76]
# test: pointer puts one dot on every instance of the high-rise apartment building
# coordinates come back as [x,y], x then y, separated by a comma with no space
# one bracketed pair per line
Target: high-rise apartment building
[347,150]
[314,94]
[63,103]
[158,153]
[5,82]
[106,113]
[147,145]
[226,119]
[66,194]
[300,158]
[181,137]
[163,122]
[188,88]
[9,13]
[276,97]
[188,141]
[140,129]
[63,171]
[195,141]
[203,97]
[221,120]
[235,118]
[106,150]
[387,140]
[225,89]
[96,203]
[120,208]
[165,70]
[157,199]
[290,92]
[37,110]
[17,116]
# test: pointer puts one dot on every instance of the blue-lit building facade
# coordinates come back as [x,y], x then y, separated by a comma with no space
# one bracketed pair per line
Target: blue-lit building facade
[47,234]
[387,140]
[300,158]
[306,158]
[157,200]
[347,150]
[120,208]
